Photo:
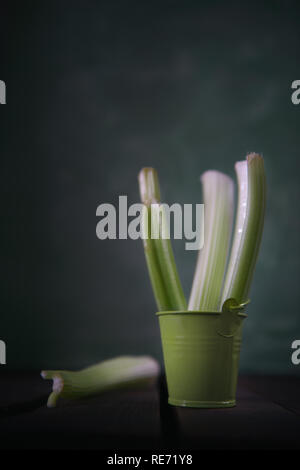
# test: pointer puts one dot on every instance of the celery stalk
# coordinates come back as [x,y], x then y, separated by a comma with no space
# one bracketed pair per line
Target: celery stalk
[241,170]
[248,228]
[120,372]
[218,190]
[158,251]
[156,277]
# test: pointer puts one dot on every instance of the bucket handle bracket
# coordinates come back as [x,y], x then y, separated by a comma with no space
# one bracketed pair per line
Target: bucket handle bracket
[229,318]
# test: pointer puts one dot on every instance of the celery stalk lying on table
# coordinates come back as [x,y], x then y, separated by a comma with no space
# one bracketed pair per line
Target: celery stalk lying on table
[112,374]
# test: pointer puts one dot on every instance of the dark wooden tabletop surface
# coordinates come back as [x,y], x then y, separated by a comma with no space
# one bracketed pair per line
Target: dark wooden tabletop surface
[267,416]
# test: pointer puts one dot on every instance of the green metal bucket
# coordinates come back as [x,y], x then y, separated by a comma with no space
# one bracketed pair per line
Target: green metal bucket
[201,355]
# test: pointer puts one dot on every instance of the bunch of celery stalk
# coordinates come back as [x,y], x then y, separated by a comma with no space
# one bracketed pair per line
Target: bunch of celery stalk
[224,269]
[222,272]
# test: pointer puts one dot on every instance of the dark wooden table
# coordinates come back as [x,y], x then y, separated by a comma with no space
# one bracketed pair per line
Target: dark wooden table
[267,417]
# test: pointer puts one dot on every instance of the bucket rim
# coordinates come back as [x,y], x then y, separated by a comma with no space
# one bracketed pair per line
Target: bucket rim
[194,313]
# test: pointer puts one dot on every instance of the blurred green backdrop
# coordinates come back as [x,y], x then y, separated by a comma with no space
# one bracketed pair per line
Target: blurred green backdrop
[95,91]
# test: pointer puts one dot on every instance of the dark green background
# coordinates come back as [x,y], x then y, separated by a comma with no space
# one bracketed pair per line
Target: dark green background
[97,90]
